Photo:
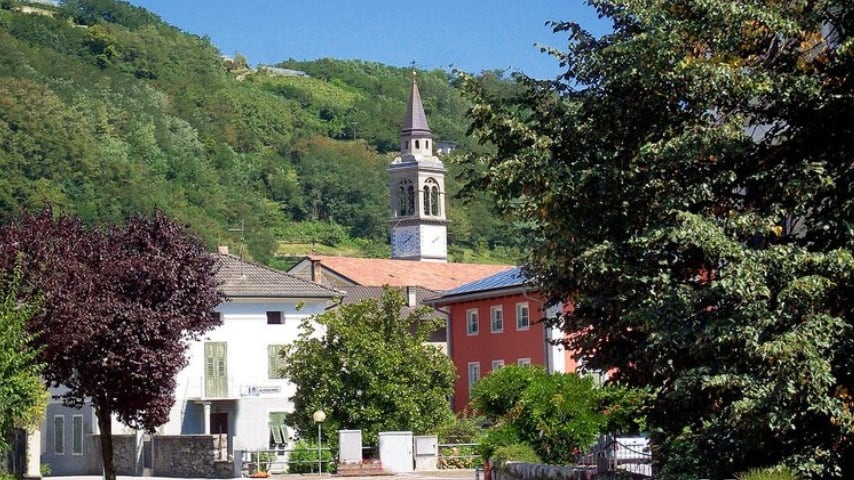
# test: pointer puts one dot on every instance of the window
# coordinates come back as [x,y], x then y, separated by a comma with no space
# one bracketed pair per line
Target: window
[417,146]
[524,362]
[278,430]
[497,364]
[275,361]
[523,316]
[472,326]
[474,374]
[77,435]
[405,198]
[274,318]
[496,316]
[58,435]
[431,197]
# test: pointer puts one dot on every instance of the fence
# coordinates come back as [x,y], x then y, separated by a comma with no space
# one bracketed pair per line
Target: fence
[626,454]
[290,460]
[458,455]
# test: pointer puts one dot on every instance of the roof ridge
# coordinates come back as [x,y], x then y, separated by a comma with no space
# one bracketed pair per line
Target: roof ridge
[278,272]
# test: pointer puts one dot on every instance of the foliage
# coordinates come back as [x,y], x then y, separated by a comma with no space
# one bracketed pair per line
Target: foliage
[332,193]
[154,117]
[303,458]
[553,413]
[624,409]
[460,429]
[768,474]
[118,302]
[499,435]
[518,452]
[367,366]
[686,185]
[22,395]
[313,231]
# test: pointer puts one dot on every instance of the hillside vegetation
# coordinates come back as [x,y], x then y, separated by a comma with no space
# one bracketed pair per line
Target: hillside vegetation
[106,111]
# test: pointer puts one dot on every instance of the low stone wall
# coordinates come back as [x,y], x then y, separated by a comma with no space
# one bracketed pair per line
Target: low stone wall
[191,456]
[537,471]
[125,457]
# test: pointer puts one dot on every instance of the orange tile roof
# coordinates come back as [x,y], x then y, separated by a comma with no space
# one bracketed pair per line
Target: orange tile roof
[403,273]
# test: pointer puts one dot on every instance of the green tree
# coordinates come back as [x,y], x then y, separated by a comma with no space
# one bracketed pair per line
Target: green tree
[686,183]
[368,367]
[22,395]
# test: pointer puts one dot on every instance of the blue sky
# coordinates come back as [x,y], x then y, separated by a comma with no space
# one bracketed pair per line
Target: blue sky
[465,34]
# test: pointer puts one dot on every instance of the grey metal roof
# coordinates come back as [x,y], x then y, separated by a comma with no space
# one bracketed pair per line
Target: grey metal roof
[415,120]
[506,279]
[239,278]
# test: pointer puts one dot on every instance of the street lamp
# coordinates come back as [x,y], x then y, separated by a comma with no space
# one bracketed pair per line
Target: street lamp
[319,416]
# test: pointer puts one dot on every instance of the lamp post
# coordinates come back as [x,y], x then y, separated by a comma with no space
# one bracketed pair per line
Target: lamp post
[319,416]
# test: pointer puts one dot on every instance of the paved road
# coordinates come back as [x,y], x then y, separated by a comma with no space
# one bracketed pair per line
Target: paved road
[433,475]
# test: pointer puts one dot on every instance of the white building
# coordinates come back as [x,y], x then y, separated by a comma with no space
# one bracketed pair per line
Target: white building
[231,384]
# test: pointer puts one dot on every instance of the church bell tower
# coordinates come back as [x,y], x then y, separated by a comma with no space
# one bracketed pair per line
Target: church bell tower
[419,225]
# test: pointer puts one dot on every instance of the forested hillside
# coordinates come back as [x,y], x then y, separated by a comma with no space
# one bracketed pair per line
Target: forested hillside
[107,111]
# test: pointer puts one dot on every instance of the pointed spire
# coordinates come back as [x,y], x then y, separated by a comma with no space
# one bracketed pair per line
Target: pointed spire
[415,121]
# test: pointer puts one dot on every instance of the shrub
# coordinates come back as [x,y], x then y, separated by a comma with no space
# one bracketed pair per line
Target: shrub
[774,473]
[498,436]
[518,452]
[303,459]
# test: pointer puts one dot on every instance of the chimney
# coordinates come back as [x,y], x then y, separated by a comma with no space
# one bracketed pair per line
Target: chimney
[410,296]
[222,249]
[316,271]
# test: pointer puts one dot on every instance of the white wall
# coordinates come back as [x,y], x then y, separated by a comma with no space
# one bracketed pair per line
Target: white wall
[247,335]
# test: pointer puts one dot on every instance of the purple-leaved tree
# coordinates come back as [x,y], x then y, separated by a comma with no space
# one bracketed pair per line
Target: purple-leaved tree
[119,305]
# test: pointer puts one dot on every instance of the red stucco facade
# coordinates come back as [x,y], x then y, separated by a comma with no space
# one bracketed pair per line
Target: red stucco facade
[511,344]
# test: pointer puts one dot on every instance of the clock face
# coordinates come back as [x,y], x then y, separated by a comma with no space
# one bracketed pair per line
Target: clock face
[406,241]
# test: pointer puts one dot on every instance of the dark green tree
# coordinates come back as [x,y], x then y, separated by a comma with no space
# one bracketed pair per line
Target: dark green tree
[687,185]
[367,366]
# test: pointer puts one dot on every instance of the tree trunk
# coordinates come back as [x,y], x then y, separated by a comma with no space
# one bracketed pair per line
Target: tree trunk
[105,425]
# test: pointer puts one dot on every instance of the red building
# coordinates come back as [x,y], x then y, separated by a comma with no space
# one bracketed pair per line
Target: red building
[494,322]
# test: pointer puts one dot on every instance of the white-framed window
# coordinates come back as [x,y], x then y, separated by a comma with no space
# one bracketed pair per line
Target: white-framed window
[59,435]
[472,322]
[474,374]
[275,361]
[524,362]
[497,364]
[496,319]
[523,316]
[77,435]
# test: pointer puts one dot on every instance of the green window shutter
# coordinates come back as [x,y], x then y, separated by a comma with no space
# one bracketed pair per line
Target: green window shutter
[59,434]
[77,435]
[275,361]
[216,377]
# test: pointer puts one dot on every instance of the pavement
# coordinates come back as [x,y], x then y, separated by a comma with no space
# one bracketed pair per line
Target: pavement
[462,474]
